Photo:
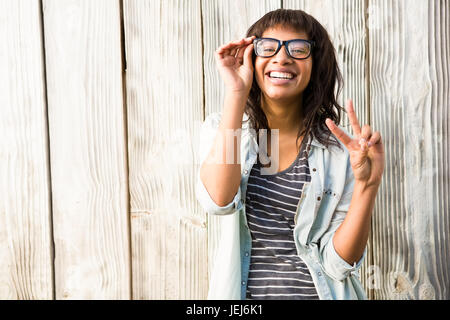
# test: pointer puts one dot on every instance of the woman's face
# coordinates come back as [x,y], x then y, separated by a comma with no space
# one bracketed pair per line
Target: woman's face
[281,89]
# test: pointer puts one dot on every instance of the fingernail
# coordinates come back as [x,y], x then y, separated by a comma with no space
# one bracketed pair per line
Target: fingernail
[369,144]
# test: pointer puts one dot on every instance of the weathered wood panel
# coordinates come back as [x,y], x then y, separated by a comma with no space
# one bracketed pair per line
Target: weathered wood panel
[223,22]
[410,98]
[25,210]
[88,149]
[165,103]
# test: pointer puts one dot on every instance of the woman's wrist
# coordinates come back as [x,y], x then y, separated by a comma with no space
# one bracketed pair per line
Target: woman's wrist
[367,185]
[238,94]
[235,99]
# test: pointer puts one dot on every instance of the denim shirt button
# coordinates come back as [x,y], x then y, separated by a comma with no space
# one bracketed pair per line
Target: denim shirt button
[245,171]
[243,282]
[319,273]
[246,254]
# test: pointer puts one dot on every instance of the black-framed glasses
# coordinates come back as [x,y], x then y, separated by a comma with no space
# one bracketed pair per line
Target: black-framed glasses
[296,48]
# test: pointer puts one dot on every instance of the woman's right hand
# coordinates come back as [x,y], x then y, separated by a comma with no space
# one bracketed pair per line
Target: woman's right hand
[234,62]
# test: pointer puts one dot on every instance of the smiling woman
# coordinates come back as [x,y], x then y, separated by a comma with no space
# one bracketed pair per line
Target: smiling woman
[301,232]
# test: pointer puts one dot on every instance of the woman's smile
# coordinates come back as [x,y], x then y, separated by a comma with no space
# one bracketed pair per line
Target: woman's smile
[280,76]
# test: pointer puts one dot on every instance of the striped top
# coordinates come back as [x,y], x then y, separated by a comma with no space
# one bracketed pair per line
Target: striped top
[276,271]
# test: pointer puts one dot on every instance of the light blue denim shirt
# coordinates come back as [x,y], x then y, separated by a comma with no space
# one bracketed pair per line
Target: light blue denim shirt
[321,209]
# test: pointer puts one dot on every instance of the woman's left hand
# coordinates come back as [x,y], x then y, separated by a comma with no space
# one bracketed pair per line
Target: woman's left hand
[366,150]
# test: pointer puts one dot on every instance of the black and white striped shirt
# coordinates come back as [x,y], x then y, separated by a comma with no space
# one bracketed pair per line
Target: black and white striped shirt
[276,271]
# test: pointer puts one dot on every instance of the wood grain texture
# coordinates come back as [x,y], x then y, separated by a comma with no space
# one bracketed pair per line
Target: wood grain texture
[165,103]
[223,22]
[409,67]
[25,210]
[88,149]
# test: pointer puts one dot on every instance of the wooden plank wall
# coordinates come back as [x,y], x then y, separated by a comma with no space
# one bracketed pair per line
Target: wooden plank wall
[165,102]
[26,261]
[88,156]
[101,104]
[410,98]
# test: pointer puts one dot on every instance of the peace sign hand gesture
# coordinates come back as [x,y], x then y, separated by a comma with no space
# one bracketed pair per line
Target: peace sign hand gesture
[366,150]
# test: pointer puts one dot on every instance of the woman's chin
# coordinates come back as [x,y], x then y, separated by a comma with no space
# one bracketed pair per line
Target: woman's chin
[281,95]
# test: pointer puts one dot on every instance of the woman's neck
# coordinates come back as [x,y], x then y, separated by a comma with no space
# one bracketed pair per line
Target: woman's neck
[282,115]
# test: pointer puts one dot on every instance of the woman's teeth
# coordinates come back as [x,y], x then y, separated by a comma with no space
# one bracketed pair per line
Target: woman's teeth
[281,75]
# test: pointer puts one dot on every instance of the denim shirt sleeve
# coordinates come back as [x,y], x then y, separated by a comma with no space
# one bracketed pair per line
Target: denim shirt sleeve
[207,135]
[336,267]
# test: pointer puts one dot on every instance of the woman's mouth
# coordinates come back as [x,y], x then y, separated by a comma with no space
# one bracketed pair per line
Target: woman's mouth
[280,78]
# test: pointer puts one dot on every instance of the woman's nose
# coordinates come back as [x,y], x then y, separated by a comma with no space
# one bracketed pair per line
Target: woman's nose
[282,56]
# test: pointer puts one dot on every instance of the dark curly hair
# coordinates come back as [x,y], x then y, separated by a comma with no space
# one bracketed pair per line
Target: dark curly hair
[318,98]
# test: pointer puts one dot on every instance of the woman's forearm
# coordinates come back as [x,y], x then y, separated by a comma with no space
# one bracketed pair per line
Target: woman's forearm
[351,237]
[221,171]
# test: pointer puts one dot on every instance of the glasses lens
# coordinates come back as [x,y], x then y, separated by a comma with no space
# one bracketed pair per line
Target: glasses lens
[266,47]
[299,49]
